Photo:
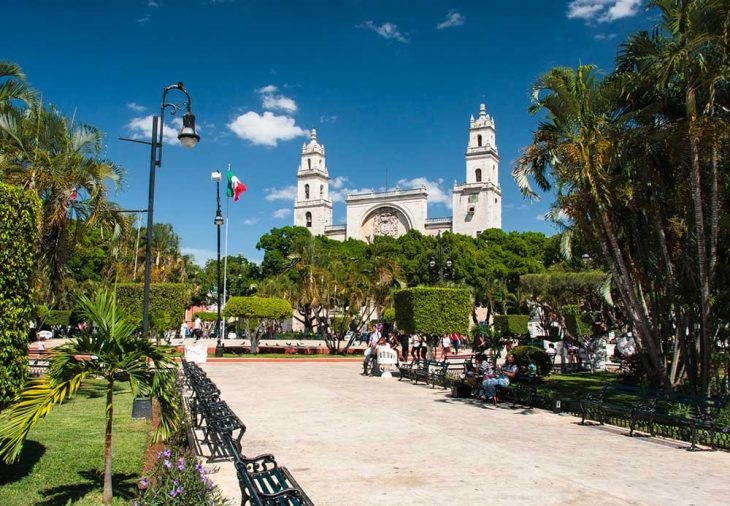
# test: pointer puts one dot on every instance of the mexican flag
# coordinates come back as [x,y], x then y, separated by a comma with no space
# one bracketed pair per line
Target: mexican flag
[235,186]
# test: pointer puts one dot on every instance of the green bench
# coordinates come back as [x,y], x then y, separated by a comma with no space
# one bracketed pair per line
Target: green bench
[651,408]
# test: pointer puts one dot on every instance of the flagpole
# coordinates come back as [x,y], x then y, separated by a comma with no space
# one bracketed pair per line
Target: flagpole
[225,254]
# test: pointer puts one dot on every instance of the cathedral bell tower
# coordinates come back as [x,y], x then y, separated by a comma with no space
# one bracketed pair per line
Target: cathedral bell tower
[313,208]
[477,203]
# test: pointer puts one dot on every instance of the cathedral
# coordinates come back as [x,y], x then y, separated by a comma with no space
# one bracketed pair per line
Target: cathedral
[476,203]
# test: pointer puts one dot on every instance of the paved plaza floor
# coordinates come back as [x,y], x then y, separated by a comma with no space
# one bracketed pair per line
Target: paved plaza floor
[355,440]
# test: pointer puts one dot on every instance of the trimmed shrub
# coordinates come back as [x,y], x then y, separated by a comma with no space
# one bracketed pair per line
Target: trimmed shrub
[579,323]
[20,213]
[525,354]
[272,308]
[167,303]
[434,311]
[206,316]
[58,317]
[511,324]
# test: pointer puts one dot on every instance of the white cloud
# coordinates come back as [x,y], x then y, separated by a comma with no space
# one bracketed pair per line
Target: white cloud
[603,11]
[328,119]
[250,221]
[286,193]
[436,194]
[386,30]
[282,213]
[338,182]
[200,256]
[135,107]
[144,19]
[453,18]
[153,4]
[605,36]
[266,129]
[272,101]
[141,128]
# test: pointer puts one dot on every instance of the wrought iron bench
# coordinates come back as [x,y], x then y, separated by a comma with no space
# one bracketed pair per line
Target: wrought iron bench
[615,399]
[689,413]
[432,371]
[264,482]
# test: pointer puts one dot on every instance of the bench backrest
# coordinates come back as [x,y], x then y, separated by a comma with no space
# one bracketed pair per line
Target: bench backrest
[387,357]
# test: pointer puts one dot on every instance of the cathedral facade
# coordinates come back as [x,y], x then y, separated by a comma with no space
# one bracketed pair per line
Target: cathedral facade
[476,203]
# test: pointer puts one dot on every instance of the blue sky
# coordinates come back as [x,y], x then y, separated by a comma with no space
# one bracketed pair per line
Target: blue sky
[389,86]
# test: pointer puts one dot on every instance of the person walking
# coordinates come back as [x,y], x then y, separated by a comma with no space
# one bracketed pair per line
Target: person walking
[197,328]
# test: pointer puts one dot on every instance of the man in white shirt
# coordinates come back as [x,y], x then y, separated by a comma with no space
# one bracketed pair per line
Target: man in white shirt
[198,328]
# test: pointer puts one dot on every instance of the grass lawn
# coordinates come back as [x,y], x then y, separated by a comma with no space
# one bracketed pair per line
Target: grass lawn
[63,458]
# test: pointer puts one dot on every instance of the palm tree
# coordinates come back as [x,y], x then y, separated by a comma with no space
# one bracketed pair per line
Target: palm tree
[61,163]
[685,63]
[111,352]
[13,86]
[577,149]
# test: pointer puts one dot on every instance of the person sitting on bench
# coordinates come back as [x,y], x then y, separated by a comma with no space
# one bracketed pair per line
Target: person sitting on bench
[502,378]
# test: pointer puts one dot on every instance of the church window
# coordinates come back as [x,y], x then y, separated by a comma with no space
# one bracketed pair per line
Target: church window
[479,140]
[321,191]
[309,163]
[306,191]
[309,220]
[478,174]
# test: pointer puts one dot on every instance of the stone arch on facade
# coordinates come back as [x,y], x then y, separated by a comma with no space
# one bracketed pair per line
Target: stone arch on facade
[386,219]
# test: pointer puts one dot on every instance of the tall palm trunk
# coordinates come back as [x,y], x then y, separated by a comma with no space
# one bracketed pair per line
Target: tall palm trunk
[630,291]
[702,260]
[107,495]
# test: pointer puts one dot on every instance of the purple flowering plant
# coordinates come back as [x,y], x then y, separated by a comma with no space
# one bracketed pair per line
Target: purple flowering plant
[178,478]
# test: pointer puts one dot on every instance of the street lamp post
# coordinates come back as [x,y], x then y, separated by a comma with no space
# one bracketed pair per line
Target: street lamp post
[218,221]
[441,263]
[188,138]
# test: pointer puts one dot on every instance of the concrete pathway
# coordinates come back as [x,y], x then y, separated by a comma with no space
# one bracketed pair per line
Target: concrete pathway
[355,440]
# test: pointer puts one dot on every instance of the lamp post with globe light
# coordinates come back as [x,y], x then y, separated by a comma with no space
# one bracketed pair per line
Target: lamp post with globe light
[189,138]
[218,222]
[441,264]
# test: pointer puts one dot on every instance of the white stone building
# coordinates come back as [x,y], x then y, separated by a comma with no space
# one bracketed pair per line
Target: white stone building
[477,203]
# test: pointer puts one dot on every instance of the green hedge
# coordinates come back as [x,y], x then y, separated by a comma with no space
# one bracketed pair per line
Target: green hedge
[20,213]
[58,317]
[167,303]
[431,310]
[206,316]
[511,324]
[272,308]
[577,322]
[525,354]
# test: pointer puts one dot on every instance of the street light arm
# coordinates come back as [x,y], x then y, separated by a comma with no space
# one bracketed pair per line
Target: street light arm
[176,106]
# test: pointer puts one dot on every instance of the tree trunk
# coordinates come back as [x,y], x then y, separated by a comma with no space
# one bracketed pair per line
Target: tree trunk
[702,260]
[108,494]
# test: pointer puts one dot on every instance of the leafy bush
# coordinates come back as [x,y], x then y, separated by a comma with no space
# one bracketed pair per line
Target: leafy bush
[20,214]
[177,477]
[272,308]
[206,316]
[58,317]
[579,323]
[633,371]
[526,354]
[435,311]
[167,303]
[511,324]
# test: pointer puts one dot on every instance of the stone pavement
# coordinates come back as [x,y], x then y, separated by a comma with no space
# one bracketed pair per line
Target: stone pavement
[354,440]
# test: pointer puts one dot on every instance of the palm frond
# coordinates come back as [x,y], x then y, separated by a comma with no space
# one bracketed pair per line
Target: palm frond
[32,404]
